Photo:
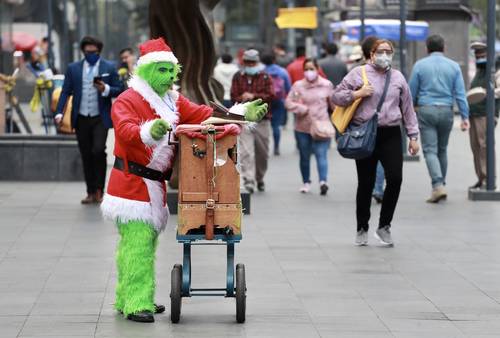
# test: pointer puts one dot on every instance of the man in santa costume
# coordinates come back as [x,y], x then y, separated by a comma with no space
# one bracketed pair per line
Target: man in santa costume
[136,196]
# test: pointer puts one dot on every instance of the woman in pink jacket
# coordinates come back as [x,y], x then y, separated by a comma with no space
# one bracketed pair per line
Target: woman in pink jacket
[309,99]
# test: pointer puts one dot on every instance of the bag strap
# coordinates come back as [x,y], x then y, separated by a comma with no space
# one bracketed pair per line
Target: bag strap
[363,74]
[384,93]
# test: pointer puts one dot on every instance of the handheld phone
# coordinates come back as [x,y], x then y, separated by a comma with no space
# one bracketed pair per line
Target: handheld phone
[97,78]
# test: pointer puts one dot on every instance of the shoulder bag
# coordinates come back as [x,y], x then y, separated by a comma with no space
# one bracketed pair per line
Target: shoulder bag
[342,116]
[358,141]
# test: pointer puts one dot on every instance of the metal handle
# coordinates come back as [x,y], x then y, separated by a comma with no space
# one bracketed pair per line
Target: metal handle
[171,141]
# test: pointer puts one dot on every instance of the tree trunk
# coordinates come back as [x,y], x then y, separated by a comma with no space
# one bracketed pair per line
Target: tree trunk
[185,28]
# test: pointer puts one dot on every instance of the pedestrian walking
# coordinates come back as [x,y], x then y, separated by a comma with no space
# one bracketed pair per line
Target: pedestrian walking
[250,84]
[296,68]
[436,83]
[281,56]
[281,86]
[309,100]
[477,132]
[92,82]
[224,72]
[334,68]
[378,190]
[127,65]
[396,108]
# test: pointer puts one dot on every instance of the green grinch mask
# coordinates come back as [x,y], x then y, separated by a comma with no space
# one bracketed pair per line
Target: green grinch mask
[161,76]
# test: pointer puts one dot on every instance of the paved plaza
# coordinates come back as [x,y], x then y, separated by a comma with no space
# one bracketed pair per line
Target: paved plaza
[305,277]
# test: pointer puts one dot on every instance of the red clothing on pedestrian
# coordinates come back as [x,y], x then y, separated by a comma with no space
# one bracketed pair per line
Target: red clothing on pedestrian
[260,84]
[296,69]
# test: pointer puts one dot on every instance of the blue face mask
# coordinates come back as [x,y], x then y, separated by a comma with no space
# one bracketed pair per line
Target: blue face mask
[92,58]
[252,70]
[480,61]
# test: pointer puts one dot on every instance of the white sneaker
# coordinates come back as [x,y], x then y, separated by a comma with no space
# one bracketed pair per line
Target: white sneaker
[305,188]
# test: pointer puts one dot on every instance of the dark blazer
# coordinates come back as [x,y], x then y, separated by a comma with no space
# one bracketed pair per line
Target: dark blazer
[73,86]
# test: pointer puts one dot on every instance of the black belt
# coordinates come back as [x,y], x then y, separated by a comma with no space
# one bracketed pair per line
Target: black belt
[142,171]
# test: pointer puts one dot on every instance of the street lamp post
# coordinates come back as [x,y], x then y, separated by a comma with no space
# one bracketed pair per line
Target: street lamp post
[50,56]
[490,194]
[402,36]
[490,103]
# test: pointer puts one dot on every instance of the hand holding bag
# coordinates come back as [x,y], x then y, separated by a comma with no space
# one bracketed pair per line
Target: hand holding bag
[358,141]
[342,116]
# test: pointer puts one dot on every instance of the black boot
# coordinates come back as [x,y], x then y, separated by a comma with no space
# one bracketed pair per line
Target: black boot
[159,308]
[142,317]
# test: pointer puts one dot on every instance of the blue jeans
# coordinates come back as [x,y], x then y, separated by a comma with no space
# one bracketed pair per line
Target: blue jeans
[277,119]
[435,123]
[308,146]
[379,181]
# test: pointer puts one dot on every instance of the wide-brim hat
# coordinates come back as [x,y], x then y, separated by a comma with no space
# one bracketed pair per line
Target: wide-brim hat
[155,50]
[476,94]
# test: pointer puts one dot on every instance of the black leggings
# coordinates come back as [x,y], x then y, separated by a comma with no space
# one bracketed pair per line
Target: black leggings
[388,150]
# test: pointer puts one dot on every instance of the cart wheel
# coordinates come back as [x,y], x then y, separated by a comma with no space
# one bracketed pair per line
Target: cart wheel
[241,293]
[176,293]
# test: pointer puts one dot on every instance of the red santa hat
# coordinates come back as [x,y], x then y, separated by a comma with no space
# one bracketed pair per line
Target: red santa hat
[155,50]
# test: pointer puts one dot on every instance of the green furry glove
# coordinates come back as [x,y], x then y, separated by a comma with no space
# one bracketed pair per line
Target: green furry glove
[255,110]
[159,129]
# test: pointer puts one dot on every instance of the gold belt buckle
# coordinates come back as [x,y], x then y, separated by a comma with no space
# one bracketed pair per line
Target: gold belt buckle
[210,203]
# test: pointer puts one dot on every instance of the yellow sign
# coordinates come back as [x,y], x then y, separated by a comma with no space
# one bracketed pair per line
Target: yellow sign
[299,17]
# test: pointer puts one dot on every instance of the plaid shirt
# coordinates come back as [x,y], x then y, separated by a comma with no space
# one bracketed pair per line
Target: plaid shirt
[261,85]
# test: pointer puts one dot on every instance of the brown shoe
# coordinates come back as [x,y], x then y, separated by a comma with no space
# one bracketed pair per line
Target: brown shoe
[89,199]
[98,196]
[437,195]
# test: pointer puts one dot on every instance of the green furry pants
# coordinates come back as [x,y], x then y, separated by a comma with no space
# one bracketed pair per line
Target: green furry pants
[135,262]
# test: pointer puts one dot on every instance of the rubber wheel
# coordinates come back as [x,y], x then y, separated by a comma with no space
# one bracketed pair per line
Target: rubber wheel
[241,293]
[176,293]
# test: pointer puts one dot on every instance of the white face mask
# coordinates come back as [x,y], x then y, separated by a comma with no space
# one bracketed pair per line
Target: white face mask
[311,75]
[383,61]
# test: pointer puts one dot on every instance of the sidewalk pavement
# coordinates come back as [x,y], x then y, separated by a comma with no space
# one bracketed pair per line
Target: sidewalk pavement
[305,278]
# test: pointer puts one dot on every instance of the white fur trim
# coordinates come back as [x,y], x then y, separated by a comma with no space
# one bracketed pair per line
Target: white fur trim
[156,211]
[155,101]
[157,57]
[145,133]
[239,109]
[123,210]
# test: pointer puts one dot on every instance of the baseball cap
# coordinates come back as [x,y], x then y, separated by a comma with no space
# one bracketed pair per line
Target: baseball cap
[251,55]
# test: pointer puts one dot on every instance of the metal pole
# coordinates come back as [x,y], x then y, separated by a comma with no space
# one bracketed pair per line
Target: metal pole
[50,56]
[362,18]
[490,103]
[291,31]
[65,45]
[402,36]
[319,29]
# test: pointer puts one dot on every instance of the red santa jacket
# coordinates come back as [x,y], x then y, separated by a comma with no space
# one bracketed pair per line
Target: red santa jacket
[130,197]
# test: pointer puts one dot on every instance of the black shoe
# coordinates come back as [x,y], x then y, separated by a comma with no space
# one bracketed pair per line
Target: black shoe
[323,188]
[159,308]
[378,198]
[261,186]
[277,152]
[478,185]
[142,317]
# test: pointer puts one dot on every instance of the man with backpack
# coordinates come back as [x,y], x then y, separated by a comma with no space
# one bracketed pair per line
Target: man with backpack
[252,83]
[281,85]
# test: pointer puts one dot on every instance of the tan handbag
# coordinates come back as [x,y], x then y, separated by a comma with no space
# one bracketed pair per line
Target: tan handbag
[322,130]
[342,116]
[65,125]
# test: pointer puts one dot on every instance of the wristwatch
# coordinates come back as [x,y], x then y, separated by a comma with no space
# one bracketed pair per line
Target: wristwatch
[414,138]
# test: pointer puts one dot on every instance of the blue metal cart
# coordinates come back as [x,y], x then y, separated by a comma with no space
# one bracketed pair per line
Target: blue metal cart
[181,275]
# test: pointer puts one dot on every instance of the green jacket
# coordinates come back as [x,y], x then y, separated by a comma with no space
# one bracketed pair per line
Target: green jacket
[479,109]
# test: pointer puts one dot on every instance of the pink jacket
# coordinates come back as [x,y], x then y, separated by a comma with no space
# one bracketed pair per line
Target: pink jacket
[309,101]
